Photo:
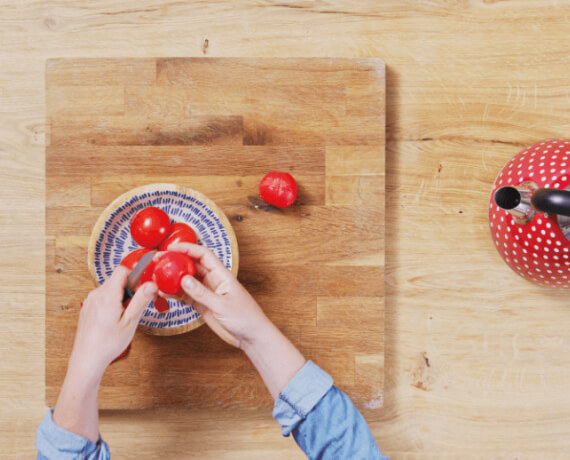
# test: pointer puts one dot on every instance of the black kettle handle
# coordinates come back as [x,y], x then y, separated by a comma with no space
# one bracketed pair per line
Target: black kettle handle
[551,200]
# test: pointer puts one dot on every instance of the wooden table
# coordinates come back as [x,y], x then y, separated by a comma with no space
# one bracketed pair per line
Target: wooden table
[476,359]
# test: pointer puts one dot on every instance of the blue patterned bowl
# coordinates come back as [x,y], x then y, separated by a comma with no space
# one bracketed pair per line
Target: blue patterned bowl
[111,241]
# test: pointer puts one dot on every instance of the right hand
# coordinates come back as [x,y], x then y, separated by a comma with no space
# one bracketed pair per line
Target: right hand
[220,298]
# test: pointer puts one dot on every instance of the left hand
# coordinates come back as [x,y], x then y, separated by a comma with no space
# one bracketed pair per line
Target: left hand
[105,328]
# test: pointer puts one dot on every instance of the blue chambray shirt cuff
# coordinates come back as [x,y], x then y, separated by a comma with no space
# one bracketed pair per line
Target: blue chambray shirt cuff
[54,441]
[300,395]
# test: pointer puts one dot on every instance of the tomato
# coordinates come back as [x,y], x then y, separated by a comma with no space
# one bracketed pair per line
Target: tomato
[132,258]
[180,226]
[179,233]
[130,261]
[147,274]
[150,227]
[169,270]
[278,189]
[161,304]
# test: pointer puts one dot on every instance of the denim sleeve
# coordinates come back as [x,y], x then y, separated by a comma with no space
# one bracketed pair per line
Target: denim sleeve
[55,443]
[323,420]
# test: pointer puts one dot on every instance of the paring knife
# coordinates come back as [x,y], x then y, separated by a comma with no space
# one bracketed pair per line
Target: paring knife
[135,276]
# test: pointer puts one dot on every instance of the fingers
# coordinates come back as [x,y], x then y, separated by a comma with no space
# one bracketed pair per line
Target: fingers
[142,298]
[216,281]
[206,257]
[201,271]
[118,280]
[200,293]
[167,296]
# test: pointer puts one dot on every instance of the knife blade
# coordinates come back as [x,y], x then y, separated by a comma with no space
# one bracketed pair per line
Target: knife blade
[135,276]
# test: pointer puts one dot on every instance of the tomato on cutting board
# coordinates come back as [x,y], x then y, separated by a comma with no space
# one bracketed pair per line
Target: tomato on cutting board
[169,270]
[278,189]
[150,227]
[179,233]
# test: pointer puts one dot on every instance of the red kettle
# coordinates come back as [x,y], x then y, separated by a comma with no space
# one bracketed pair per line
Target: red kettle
[529,213]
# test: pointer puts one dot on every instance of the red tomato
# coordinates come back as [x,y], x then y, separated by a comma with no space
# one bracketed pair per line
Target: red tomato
[132,258]
[177,226]
[169,270]
[278,189]
[150,227]
[179,233]
[161,304]
[147,274]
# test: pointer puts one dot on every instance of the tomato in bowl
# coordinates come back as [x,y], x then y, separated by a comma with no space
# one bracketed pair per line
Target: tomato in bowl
[111,241]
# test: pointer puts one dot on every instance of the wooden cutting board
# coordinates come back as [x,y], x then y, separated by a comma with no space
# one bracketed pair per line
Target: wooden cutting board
[219,125]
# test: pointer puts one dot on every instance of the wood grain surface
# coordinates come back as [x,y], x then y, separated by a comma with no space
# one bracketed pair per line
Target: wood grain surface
[219,125]
[477,359]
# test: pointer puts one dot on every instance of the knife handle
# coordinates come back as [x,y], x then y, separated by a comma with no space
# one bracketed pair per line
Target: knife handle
[127,295]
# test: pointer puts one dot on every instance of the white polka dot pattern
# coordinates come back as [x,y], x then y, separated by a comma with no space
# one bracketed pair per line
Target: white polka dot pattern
[538,251]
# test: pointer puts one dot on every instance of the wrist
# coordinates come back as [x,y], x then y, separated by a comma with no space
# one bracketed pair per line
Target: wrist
[274,356]
[76,407]
[265,332]
[84,372]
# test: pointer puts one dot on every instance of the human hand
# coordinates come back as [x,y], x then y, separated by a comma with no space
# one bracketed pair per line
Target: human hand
[220,298]
[105,328]
[235,316]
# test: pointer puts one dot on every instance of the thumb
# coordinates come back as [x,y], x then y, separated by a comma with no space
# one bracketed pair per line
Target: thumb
[142,298]
[200,293]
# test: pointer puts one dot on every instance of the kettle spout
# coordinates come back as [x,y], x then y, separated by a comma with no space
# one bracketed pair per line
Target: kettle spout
[517,201]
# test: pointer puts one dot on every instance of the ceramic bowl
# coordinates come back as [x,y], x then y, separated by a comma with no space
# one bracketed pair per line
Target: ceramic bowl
[111,241]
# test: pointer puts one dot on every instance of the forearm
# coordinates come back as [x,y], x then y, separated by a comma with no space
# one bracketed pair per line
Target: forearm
[275,358]
[335,429]
[77,408]
[323,420]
